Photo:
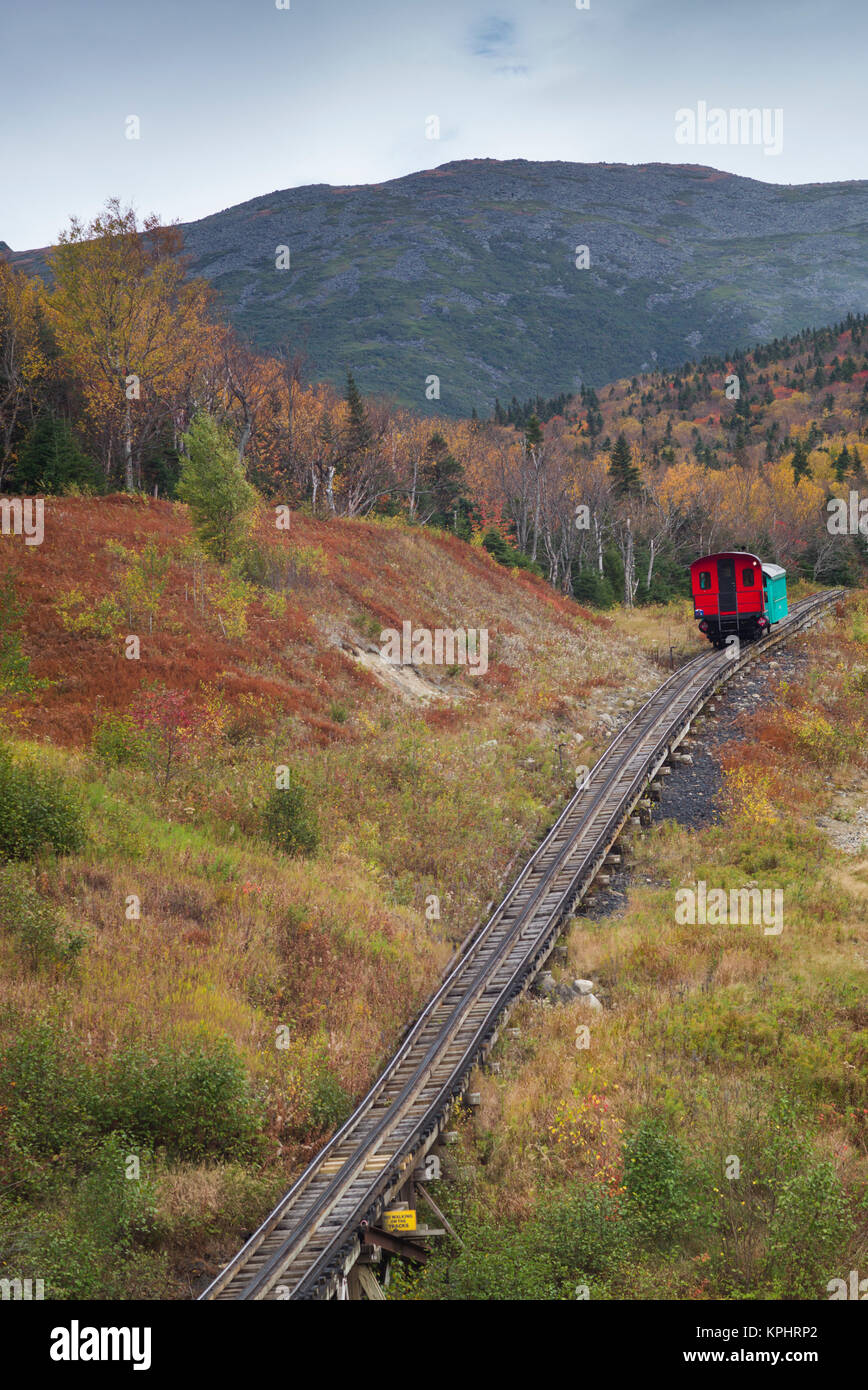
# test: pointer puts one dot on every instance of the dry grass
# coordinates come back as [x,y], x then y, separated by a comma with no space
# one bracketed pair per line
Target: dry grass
[705,1024]
[235,941]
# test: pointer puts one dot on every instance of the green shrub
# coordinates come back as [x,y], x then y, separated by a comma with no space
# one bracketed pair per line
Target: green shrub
[810,1231]
[47,1096]
[657,1184]
[51,461]
[117,740]
[118,1210]
[40,936]
[589,586]
[78,1260]
[77,1267]
[581,1231]
[288,821]
[213,483]
[509,555]
[70,1261]
[193,1102]
[500,1262]
[328,1102]
[37,811]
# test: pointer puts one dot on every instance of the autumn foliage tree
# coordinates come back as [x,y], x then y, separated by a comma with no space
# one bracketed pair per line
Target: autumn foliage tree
[119,360]
[170,725]
[131,327]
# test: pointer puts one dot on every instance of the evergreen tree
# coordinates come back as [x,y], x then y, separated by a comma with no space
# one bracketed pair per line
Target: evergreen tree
[801,466]
[358,430]
[442,479]
[622,469]
[214,484]
[51,461]
[533,433]
[858,470]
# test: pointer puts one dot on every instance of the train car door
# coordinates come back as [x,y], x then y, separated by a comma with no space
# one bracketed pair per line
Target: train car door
[726,586]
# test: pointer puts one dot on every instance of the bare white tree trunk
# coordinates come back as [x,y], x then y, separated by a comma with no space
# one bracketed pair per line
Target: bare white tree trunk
[628,555]
[129,479]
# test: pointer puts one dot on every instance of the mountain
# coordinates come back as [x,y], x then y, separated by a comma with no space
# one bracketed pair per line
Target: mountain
[468,272]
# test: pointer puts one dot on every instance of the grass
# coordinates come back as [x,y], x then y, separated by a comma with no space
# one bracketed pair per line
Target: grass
[729,1065]
[199,934]
[659,626]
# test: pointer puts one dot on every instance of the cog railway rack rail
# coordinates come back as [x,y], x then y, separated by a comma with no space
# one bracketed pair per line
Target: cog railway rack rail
[311,1242]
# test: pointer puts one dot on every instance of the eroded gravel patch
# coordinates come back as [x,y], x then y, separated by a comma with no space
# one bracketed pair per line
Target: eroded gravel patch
[690,794]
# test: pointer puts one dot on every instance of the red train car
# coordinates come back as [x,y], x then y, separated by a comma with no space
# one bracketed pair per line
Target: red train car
[735,594]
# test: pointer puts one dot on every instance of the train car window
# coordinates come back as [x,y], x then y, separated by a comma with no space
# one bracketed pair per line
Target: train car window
[705,579]
[747,578]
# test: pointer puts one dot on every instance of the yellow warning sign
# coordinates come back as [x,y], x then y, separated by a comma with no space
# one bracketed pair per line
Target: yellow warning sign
[396,1221]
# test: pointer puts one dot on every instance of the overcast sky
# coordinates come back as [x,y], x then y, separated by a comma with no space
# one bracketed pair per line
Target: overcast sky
[236,98]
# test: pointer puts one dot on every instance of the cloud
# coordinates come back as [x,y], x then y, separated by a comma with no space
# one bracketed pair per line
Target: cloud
[491,37]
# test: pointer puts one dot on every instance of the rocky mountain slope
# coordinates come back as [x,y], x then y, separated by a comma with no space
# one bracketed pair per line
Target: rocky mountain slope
[468,272]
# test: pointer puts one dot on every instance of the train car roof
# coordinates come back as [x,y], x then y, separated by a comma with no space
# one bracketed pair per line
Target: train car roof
[726,555]
[773,571]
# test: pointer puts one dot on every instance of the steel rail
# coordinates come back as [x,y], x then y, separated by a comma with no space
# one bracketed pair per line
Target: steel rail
[297,1250]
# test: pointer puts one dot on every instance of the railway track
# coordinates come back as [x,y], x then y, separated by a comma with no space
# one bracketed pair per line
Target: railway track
[308,1242]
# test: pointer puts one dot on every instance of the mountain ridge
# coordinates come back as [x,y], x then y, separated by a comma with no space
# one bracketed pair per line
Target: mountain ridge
[456,271]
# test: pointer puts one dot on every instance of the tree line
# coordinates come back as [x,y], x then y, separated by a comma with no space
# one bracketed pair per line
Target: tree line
[119,365]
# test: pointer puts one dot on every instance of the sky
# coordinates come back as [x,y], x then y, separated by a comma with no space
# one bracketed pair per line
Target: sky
[237,98]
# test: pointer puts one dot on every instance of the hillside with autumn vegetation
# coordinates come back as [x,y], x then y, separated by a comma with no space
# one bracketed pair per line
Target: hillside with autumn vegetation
[607,494]
[198,969]
[238,844]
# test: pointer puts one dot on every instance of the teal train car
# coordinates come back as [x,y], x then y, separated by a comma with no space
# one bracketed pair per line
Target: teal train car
[735,594]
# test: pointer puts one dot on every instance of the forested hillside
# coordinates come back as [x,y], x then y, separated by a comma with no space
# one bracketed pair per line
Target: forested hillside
[239,845]
[608,495]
